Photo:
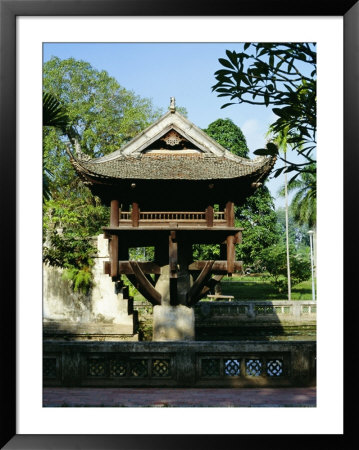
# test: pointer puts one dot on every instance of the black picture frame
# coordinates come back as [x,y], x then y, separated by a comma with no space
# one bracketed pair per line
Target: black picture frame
[9,10]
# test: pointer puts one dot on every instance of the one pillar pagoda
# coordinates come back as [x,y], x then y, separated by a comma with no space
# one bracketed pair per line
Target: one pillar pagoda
[171,187]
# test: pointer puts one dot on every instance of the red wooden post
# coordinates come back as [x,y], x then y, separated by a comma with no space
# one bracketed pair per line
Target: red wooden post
[114,255]
[230,214]
[209,216]
[115,213]
[230,254]
[135,214]
[114,222]
[173,254]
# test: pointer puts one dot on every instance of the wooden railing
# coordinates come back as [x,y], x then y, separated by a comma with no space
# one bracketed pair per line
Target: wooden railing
[219,216]
[125,216]
[173,216]
[163,217]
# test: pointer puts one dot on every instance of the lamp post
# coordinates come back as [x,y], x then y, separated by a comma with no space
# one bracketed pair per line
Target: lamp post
[287,226]
[311,232]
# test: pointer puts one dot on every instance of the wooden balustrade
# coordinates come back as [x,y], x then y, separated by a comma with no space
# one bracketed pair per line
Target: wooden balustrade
[211,218]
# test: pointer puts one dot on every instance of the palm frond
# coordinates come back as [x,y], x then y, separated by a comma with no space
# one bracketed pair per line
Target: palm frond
[53,112]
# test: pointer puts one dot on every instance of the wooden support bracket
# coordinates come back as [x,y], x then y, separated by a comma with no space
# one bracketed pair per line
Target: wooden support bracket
[144,286]
[199,283]
[125,268]
[210,284]
[218,268]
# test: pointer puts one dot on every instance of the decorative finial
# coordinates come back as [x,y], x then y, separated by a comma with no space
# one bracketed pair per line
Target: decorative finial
[173,105]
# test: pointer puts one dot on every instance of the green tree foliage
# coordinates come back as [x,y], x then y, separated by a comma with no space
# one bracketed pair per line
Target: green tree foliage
[282,75]
[101,116]
[274,259]
[229,135]
[298,234]
[182,110]
[304,203]
[256,215]
[205,252]
[258,218]
[69,224]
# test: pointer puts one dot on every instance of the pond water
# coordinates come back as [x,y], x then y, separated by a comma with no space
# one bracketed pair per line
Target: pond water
[243,333]
[275,333]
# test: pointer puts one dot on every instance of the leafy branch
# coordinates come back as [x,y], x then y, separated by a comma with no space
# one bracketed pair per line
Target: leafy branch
[282,75]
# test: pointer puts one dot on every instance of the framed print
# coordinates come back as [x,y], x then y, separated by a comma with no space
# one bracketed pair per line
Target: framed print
[29,31]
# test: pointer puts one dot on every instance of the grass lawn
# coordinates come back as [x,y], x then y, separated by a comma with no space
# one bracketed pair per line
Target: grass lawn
[257,288]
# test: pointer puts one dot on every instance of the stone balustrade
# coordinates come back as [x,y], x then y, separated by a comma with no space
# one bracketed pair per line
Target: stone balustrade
[250,311]
[191,364]
[281,311]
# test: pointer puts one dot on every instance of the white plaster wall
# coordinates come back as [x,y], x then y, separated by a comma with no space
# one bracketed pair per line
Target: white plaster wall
[59,300]
[106,304]
[102,304]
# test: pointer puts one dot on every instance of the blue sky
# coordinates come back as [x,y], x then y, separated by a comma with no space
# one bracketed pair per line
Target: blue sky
[181,70]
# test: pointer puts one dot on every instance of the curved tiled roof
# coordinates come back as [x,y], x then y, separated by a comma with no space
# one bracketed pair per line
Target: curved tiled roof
[147,158]
[174,167]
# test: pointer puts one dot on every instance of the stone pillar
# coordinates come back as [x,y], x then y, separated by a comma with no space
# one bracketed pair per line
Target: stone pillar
[173,323]
[173,320]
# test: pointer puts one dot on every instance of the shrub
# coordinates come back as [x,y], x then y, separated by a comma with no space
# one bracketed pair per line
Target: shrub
[274,258]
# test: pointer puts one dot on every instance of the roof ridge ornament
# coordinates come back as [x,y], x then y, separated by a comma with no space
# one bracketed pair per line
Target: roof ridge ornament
[80,155]
[172,104]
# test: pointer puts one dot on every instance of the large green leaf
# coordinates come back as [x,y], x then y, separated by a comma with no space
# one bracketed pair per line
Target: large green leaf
[226,63]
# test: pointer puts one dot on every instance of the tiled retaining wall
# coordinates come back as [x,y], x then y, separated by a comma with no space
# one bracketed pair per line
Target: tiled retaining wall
[195,364]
